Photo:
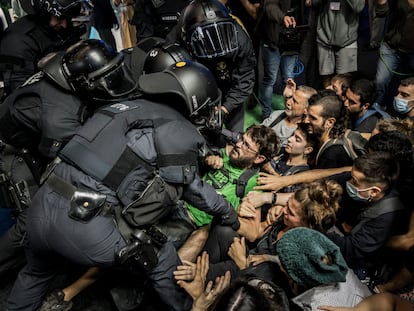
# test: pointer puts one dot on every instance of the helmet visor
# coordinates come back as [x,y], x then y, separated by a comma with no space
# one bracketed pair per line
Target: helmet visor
[118,82]
[63,8]
[214,40]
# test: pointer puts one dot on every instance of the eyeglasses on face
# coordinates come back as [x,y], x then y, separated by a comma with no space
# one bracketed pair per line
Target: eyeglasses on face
[246,145]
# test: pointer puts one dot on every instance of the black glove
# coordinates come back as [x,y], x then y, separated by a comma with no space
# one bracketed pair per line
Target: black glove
[217,120]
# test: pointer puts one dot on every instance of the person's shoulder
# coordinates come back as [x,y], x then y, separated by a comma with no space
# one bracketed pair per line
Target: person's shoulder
[20,27]
[334,155]
[273,116]
[368,125]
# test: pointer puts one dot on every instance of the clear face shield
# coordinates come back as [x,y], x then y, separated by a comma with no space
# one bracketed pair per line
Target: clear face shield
[208,116]
[117,83]
[214,40]
[62,9]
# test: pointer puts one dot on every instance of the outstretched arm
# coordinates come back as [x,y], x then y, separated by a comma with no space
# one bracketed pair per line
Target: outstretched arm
[275,183]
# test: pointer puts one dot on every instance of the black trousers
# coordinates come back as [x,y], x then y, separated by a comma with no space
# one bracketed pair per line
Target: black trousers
[52,235]
[12,246]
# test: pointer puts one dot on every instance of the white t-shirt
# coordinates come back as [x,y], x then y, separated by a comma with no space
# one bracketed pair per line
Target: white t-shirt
[345,294]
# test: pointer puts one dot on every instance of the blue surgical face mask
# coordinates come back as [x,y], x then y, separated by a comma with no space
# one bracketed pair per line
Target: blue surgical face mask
[353,193]
[401,105]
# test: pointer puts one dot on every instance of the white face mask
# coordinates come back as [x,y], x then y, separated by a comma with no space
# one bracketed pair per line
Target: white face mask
[401,105]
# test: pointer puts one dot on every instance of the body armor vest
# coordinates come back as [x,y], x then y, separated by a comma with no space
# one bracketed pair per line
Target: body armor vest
[45,123]
[124,143]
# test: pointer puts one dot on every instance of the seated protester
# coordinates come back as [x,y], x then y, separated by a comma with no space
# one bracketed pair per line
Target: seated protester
[299,151]
[318,273]
[326,118]
[404,101]
[314,206]
[374,176]
[394,142]
[284,122]
[340,83]
[400,147]
[257,145]
[362,111]
[301,147]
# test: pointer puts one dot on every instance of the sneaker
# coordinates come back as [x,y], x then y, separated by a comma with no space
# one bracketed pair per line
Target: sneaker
[54,302]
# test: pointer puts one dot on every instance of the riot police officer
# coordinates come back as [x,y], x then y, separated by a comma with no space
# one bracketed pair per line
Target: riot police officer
[154,54]
[156,18]
[111,167]
[47,28]
[42,115]
[219,42]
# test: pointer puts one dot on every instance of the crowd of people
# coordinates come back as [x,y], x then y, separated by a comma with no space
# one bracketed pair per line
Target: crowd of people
[137,158]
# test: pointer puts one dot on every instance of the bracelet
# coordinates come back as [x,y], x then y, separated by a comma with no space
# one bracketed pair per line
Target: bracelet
[274,197]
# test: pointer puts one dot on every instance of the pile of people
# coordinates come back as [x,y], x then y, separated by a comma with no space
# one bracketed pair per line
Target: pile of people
[139,161]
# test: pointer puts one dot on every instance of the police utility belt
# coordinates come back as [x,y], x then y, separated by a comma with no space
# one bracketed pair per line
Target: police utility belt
[142,245]
[15,194]
[84,205]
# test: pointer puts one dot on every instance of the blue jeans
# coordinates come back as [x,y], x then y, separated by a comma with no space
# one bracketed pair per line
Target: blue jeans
[390,61]
[271,61]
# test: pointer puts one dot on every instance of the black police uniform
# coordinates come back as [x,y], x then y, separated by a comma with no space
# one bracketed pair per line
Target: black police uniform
[25,42]
[156,17]
[235,76]
[40,117]
[105,158]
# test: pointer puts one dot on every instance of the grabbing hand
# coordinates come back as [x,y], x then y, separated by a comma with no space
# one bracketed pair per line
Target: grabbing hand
[206,299]
[258,259]
[257,199]
[274,213]
[214,161]
[185,272]
[196,287]
[271,182]
[237,252]
[246,209]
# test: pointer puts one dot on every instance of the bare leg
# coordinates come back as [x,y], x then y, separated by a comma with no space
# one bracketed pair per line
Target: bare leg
[194,244]
[87,279]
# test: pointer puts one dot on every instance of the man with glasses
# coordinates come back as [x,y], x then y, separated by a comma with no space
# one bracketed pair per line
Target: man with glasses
[252,150]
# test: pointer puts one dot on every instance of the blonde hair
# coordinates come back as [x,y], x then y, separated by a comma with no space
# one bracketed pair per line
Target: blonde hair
[320,203]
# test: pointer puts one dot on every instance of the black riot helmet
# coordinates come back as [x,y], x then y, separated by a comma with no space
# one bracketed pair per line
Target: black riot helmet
[91,68]
[58,8]
[161,57]
[195,86]
[208,30]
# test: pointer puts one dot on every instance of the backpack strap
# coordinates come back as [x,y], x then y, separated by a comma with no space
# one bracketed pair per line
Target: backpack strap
[296,169]
[374,109]
[366,115]
[278,119]
[243,179]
